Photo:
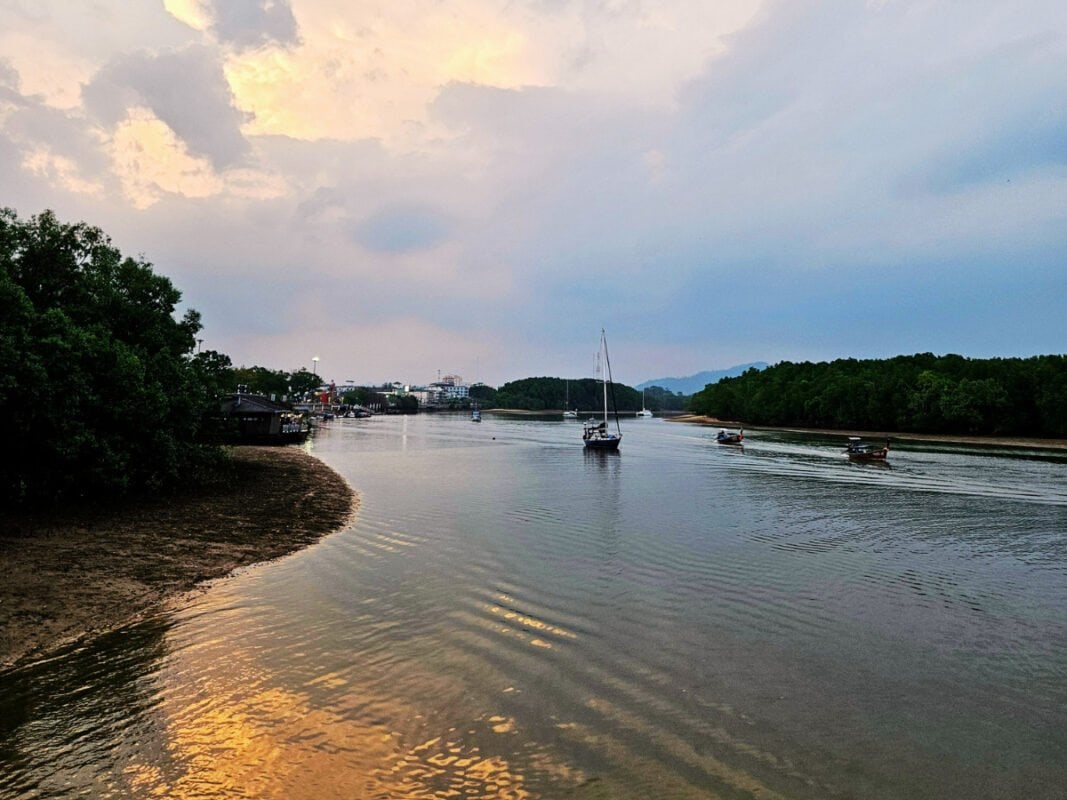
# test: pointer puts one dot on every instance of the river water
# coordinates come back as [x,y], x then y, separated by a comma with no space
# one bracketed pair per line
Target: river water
[510,616]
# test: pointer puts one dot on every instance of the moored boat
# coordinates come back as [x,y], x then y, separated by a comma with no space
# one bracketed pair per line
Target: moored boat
[644,413]
[596,435]
[568,413]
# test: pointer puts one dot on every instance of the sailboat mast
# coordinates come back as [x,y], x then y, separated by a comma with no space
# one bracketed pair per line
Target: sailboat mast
[604,373]
[605,383]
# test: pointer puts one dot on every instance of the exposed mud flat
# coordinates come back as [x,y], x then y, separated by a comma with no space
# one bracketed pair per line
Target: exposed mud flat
[69,574]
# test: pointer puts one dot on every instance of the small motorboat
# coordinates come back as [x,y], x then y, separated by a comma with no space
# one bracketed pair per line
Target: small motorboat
[858,450]
[729,437]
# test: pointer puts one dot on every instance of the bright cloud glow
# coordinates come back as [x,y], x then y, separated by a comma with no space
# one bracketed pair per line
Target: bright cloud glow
[151,161]
[45,70]
[193,13]
[61,172]
[362,72]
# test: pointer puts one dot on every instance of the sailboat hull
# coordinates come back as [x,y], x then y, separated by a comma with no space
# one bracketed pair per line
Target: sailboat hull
[603,444]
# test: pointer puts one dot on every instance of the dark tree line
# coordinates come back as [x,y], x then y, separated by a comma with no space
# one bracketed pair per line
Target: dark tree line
[271,382]
[922,393]
[100,391]
[545,394]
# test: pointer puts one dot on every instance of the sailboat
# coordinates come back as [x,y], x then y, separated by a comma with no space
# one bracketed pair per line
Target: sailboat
[568,412]
[596,435]
[644,412]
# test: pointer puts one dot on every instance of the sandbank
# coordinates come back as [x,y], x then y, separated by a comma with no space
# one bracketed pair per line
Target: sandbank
[72,574]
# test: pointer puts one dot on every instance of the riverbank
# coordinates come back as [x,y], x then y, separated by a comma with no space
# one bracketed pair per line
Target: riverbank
[994,441]
[69,575]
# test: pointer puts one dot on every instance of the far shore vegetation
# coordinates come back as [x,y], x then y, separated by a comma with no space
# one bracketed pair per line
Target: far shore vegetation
[923,393]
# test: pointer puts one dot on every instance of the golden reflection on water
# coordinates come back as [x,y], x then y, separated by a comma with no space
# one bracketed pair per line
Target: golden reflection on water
[227,726]
[520,624]
[234,735]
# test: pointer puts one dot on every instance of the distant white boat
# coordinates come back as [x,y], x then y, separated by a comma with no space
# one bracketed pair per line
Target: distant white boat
[569,413]
[644,412]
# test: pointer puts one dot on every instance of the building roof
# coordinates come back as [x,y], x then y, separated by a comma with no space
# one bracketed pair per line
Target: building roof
[251,404]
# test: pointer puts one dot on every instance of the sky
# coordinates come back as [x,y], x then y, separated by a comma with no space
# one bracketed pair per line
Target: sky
[412,188]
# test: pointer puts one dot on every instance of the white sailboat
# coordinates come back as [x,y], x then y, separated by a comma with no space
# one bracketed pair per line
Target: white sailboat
[596,435]
[568,412]
[644,412]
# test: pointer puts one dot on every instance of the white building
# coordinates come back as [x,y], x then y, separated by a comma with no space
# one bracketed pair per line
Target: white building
[450,387]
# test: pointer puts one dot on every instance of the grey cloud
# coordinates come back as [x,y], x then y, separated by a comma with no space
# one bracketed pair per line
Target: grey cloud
[1010,121]
[524,114]
[31,125]
[252,23]
[9,84]
[9,77]
[322,201]
[401,230]
[1013,151]
[897,86]
[61,133]
[186,89]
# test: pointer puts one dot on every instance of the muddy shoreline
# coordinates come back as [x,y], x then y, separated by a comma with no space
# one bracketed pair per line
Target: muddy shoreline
[73,574]
[994,441]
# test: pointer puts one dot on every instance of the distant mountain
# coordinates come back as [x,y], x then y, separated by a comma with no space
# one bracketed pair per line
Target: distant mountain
[694,383]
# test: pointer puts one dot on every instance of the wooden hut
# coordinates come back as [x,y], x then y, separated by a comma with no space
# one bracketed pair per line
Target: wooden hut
[254,419]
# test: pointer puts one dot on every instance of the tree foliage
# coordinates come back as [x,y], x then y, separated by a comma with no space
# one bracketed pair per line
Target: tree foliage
[99,390]
[552,394]
[483,395]
[274,383]
[923,393]
[657,398]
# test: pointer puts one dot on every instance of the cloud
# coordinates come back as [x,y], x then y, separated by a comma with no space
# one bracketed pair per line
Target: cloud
[186,89]
[52,146]
[9,82]
[252,23]
[401,230]
[1011,126]
[242,24]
